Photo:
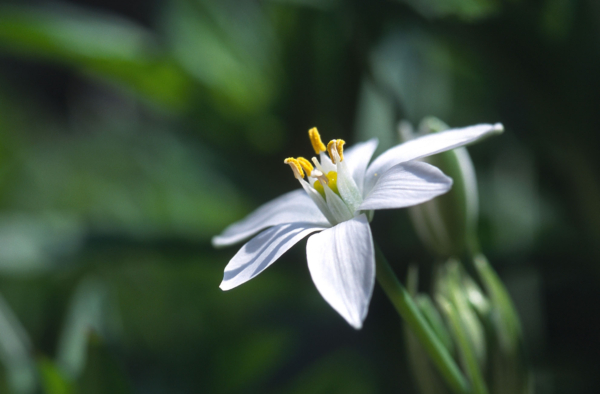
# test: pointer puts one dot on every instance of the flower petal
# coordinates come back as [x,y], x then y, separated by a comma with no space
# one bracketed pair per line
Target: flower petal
[262,251]
[426,146]
[341,261]
[338,208]
[407,184]
[318,200]
[294,206]
[357,159]
[326,163]
[347,187]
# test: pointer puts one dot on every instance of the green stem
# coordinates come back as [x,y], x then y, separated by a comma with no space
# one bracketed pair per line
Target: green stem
[466,350]
[407,309]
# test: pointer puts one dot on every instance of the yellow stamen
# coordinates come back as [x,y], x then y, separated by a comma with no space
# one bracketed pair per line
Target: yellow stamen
[335,148]
[305,164]
[331,182]
[330,147]
[315,140]
[296,167]
[340,148]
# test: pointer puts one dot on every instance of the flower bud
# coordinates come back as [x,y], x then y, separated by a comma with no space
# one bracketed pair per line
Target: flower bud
[508,366]
[447,224]
[425,373]
[479,327]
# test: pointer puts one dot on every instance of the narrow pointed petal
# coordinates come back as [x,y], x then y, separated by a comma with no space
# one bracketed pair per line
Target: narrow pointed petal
[426,146]
[262,251]
[405,185]
[294,206]
[341,261]
[357,159]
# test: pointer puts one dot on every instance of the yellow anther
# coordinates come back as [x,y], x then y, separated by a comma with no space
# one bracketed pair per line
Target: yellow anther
[335,148]
[331,182]
[296,167]
[315,140]
[305,164]
[340,148]
[330,147]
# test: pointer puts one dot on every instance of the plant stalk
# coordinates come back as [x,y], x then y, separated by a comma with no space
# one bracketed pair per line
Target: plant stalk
[409,311]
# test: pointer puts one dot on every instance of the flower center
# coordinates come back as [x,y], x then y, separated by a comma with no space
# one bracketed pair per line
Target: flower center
[319,176]
[329,182]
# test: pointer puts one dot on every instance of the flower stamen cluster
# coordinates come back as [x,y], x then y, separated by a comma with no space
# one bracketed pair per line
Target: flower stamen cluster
[330,184]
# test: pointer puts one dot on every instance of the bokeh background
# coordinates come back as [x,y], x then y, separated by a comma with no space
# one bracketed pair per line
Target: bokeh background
[131,132]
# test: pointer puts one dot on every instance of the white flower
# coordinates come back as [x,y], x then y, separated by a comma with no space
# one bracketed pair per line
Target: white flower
[337,203]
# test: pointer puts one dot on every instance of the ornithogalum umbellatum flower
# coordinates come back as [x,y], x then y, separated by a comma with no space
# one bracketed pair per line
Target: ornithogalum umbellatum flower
[335,205]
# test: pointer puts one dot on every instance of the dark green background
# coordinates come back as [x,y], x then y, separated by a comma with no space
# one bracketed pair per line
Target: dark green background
[131,132]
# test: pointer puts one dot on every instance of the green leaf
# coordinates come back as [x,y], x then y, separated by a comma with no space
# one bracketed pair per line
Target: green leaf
[228,48]
[452,282]
[152,185]
[463,322]
[15,352]
[53,380]
[468,10]
[87,313]
[99,44]
[508,365]
[507,322]
[31,244]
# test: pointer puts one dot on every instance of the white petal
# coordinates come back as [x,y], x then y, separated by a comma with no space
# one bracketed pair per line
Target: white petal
[318,200]
[357,159]
[262,251]
[341,261]
[294,206]
[426,146]
[338,208]
[326,163]
[405,185]
[347,187]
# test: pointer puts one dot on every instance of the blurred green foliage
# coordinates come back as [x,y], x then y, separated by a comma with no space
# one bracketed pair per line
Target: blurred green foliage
[131,132]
